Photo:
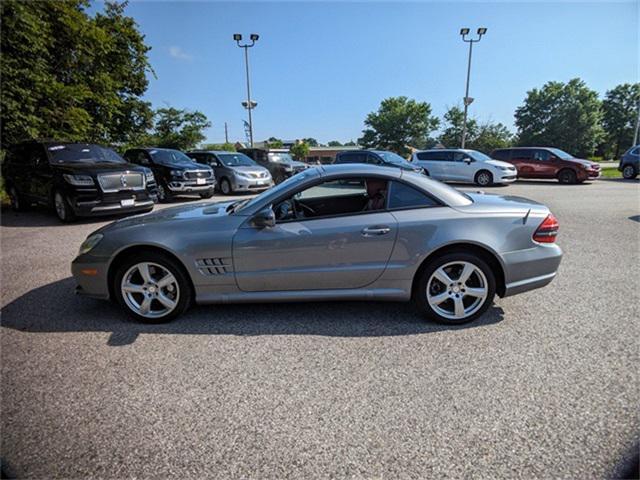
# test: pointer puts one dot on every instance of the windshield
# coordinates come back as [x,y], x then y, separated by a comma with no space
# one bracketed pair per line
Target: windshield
[162,156]
[236,160]
[479,156]
[561,154]
[83,153]
[275,191]
[280,157]
[393,158]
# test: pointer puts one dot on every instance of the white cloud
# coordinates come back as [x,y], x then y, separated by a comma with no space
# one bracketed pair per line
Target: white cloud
[177,52]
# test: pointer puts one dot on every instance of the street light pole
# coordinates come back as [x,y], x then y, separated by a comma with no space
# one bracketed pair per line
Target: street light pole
[249,105]
[637,129]
[468,100]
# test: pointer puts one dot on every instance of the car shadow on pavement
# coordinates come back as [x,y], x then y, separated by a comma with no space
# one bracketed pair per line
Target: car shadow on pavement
[67,312]
[41,217]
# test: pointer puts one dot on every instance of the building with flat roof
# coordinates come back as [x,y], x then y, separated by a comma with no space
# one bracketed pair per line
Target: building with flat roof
[325,155]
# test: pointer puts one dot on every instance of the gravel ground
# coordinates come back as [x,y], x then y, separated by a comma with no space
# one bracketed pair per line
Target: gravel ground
[544,385]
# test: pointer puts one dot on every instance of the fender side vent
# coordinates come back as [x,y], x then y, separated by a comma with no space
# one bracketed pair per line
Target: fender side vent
[214,266]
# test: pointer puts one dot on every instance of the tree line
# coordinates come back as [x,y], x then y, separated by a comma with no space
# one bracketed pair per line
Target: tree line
[71,76]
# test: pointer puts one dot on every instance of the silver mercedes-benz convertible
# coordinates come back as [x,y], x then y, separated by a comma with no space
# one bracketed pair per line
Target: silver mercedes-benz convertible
[342,232]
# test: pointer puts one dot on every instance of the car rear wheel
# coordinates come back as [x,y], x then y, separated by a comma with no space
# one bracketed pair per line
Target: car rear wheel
[455,288]
[17,203]
[567,176]
[629,172]
[152,288]
[163,194]
[63,209]
[225,187]
[484,178]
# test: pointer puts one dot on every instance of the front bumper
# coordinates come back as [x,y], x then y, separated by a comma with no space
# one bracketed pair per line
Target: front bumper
[530,269]
[250,184]
[188,186]
[91,277]
[507,178]
[590,174]
[85,203]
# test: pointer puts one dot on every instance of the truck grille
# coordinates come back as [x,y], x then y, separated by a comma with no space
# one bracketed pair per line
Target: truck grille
[115,182]
[194,174]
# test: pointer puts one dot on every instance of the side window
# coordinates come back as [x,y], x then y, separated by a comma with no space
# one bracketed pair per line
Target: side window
[501,155]
[373,159]
[459,156]
[142,158]
[541,155]
[430,156]
[402,195]
[635,151]
[440,156]
[35,155]
[522,154]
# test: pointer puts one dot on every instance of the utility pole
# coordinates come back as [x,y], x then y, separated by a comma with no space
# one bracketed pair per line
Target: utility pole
[635,133]
[226,133]
[467,99]
[249,104]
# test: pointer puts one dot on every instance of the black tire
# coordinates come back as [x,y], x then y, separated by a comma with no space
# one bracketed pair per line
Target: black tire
[567,176]
[484,178]
[17,202]
[63,209]
[206,195]
[420,292]
[163,194]
[225,187]
[629,172]
[185,298]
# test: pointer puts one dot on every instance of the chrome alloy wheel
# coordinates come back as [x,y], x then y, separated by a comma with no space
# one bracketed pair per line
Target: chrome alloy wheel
[150,290]
[484,179]
[61,208]
[457,290]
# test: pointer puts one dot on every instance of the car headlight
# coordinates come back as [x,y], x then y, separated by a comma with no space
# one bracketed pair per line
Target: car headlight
[505,169]
[89,243]
[148,175]
[79,180]
[242,174]
[288,169]
[177,173]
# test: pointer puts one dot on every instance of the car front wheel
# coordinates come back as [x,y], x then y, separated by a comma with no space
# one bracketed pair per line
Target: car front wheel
[455,288]
[225,187]
[484,178]
[152,288]
[629,172]
[567,176]
[63,209]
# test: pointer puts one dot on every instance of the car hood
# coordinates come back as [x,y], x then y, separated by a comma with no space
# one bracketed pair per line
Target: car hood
[499,163]
[489,203]
[582,161]
[82,167]
[175,214]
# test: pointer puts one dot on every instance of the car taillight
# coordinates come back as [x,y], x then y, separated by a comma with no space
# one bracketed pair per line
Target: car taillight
[548,230]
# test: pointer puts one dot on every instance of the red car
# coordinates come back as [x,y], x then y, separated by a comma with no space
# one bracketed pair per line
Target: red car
[545,162]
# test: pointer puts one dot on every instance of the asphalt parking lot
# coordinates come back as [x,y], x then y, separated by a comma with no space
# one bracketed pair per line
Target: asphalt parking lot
[544,385]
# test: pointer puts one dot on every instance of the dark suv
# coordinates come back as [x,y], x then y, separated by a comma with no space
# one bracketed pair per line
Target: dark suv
[377,157]
[279,162]
[76,179]
[176,174]
[546,162]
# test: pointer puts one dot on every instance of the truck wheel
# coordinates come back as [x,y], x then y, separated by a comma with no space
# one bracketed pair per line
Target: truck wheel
[163,195]
[17,203]
[63,209]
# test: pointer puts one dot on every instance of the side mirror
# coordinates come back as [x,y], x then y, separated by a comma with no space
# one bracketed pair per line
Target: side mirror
[468,160]
[264,218]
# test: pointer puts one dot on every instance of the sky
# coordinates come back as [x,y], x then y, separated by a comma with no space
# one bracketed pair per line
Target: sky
[319,68]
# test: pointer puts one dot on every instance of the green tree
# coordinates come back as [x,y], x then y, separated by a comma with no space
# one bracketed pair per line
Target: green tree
[225,147]
[400,122]
[274,142]
[563,115]
[180,129]
[350,143]
[451,135]
[312,142]
[299,150]
[490,136]
[620,111]
[334,143]
[71,76]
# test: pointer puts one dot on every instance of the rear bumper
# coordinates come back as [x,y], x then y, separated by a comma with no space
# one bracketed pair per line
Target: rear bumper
[530,269]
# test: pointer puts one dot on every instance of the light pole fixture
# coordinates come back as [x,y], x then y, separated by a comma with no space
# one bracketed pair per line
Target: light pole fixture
[467,100]
[248,104]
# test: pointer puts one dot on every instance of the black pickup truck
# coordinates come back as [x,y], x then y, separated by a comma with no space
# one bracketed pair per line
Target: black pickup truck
[76,179]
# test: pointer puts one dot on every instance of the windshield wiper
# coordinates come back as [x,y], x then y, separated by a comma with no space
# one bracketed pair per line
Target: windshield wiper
[236,205]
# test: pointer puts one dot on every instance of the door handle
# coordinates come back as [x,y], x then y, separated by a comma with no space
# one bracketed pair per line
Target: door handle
[377,230]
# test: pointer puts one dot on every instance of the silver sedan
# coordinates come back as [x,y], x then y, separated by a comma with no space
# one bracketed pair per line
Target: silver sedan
[342,232]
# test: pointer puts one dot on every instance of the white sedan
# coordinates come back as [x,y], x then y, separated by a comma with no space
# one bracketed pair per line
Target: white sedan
[465,166]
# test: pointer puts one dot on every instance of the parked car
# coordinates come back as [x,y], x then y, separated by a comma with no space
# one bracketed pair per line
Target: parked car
[630,163]
[76,179]
[234,171]
[279,162]
[377,157]
[336,232]
[547,162]
[466,166]
[176,174]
